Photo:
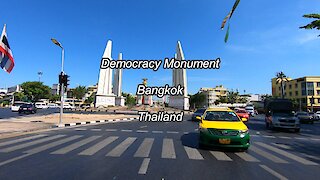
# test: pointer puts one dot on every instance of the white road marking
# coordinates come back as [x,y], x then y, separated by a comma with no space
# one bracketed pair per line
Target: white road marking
[24,145]
[193,153]
[172,132]
[157,131]
[126,130]
[95,129]
[97,147]
[51,145]
[144,148]
[80,129]
[142,131]
[286,154]
[123,146]
[310,156]
[301,138]
[111,130]
[144,166]
[284,137]
[267,155]
[168,149]
[75,145]
[271,171]
[282,146]
[268,136]
[254,135]
[221,156]
[247,157]
[22,139]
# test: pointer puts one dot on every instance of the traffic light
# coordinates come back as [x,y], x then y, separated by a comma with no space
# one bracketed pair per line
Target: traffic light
[61,76]
[66,80]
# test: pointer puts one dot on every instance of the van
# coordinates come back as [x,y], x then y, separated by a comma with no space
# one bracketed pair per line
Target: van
[41,105]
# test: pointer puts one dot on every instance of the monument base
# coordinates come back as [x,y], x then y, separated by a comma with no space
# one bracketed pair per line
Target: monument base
[120,101]
[179,102]
[105,100]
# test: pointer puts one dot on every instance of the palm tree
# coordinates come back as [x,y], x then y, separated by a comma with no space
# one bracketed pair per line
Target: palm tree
[314,24]
[281,78]
[79,92]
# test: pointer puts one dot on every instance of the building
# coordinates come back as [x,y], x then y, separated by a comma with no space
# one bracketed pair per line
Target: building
[302,90]
[213,94]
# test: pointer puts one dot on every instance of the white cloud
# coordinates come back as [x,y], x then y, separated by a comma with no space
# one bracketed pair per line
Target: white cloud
[307,38]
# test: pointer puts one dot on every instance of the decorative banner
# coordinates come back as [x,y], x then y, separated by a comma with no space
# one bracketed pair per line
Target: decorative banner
[228,17]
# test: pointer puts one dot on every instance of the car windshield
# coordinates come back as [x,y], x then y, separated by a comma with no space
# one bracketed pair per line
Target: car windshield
[26,105]
[249,108]
[241,111]
[200,111]
[221,116]
[283,113]
[17,104]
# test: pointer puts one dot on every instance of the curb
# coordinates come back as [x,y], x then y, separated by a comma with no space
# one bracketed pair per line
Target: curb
[94,122]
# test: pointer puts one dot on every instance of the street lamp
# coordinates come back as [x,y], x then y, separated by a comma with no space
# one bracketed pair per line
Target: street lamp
[40,73]
[61,85]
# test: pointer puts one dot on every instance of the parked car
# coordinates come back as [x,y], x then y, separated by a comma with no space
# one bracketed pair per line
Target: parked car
[28,108]
[223,128]
[15,106]
[68,106]
[304,117]
[314,116]
[85,106]
[53,105]
[198,112]
[41,105]
[243,114]
[250,110]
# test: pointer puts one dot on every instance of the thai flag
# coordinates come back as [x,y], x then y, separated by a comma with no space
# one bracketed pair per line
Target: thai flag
[6,57]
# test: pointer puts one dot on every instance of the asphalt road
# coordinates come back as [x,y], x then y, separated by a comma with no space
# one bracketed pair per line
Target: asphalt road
[6,113]
[148,150]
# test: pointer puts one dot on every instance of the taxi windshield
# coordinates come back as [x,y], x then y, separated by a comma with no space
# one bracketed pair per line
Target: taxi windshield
[221,116]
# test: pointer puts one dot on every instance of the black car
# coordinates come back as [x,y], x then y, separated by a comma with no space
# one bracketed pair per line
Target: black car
[28,108]
[198,112]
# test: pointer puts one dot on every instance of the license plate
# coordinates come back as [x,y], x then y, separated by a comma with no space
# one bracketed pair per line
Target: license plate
[25,108]
[224,141]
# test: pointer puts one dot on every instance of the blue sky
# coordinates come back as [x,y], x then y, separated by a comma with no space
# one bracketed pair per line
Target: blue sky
[264,39]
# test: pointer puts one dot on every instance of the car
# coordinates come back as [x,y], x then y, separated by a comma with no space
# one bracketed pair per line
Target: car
[304,117]
[198,112]
[53,105]
[222,127]
[314,116]
[250,110]
[68,106]
[41,105]
[243,114]
[28,108]
[15,106]
[85,106]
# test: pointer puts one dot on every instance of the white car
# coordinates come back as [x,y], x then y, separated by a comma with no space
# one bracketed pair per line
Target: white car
[68,106]
[41,105]
[15,106]
[53,105]
[250,110]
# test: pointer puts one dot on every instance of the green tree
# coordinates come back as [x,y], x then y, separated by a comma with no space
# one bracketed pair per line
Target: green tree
[54,98]
[19,96]
[197,100]
[79,92]
[314,24]
[35,90]
[130,100]
[281,79]
[90,99]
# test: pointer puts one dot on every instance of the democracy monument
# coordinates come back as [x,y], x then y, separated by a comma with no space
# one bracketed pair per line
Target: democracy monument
[109,90]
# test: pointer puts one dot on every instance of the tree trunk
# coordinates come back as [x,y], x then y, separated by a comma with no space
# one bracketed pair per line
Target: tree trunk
[282,89]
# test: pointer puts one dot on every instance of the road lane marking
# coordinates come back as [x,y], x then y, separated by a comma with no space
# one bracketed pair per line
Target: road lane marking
[172,132]
[310,156]
[22,139]
[157,131]
[111,130]
[144,148]
[123,146]
[247,157]
[271,171]
[286,154]
[168,149]
[301,138]
[24,145]
[142,131]
[193,153]
[51,145]
[95,129]
[80,129]
[144,166]
[282,146]
[126,130]
[268,136]
[221,156]
[284,137]
[254,135]
[14,159]
[97,147]
[267,155]
[75,145]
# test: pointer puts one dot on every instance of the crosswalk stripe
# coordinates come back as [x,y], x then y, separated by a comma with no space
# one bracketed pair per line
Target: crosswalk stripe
[97,147]
[247,157]
[282,146]
[267,155]
[221,156]
[76,145]
[144,166]
[168,149]
[286,154]
[145,147]
[51,145]
[271,171]
[126,130]
[142,131]
[22,139]
[111,130]
[95,129]
[193,153]
[24,145]
[123,146]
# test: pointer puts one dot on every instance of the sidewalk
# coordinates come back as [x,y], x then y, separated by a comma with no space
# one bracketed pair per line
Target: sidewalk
[27,124]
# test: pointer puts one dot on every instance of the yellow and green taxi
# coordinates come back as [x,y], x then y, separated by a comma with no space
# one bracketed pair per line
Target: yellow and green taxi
[222,127]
